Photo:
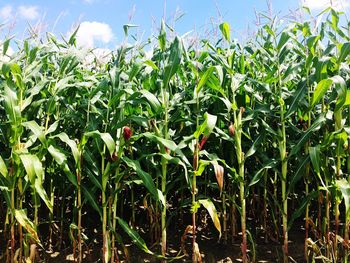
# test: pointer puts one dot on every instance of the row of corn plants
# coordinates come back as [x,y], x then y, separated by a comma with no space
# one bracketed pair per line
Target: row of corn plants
[254,137]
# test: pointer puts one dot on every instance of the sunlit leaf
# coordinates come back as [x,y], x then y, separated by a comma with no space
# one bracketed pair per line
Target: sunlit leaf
[28,225]
[225,30]
[208,204]
[320,91]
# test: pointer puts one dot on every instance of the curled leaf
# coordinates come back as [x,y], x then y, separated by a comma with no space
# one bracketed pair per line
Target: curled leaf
[219,174]
[28,225]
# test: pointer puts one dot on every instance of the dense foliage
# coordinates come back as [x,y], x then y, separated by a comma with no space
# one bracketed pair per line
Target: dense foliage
[259,129]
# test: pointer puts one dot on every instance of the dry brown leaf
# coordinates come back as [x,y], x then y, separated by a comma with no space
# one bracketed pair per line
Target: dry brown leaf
[219,174]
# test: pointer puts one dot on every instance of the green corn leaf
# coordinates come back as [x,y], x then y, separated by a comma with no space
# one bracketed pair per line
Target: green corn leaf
[105,176]
[208,204]
[42,193]
[35,172]
[61,160]
[320,91]
[166,143]
[71,143]
[161,197]
[27,161]
[3,167]
[92,200]
[299,173]
[33,92]
[36,130]
[106,138]
[52,128]
[5,189]
[285,36]
[311,43]
[207,74]
[162,36]
[144,176]
[201,167]
[17,74]
[314,127]
[341,89]
[139,242]
[260,173]
[210,121]
[254,146]
[135,69]
[6,45]
[344,187]
[207,126]
[92,170]
[32,54]
[134,236]
[58,156]
[315,157]
[347,100]
[344,52]
[169,144]
[27,224]
[11,106]
[152,100]
[176,161]
[268,128]
[4,183]
[225,31]
[62,85]
[297,97]
[151,64]
[72,37]
[301,209]
[173,61]
[126,31]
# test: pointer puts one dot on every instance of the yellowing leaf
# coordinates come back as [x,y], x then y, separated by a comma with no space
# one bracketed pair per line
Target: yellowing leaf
[28,225]
[208,204]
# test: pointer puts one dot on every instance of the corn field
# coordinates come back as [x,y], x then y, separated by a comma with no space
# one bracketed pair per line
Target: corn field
[246,143]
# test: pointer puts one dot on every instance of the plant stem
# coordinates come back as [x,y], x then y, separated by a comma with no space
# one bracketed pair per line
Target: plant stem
[240,159]
[104,225]
[224,216]
[194,189]
[12,225]
[164,181]
[163,215]
[80,257]
[283,156]
[327,224]
[265,206]
[52,198]
[114,223]
[20,229]
[284,194]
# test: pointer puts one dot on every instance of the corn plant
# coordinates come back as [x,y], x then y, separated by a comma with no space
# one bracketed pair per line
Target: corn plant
[95,154]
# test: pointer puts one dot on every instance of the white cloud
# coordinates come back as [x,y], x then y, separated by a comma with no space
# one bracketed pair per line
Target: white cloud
[7,56]
[28,12]
[88,1]
[90,32]
[322,4]
[6,12]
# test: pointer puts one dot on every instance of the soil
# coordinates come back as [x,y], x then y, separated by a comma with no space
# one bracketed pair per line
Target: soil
[211,247]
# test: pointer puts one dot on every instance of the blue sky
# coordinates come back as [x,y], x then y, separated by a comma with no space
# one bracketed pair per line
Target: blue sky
[102,20]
